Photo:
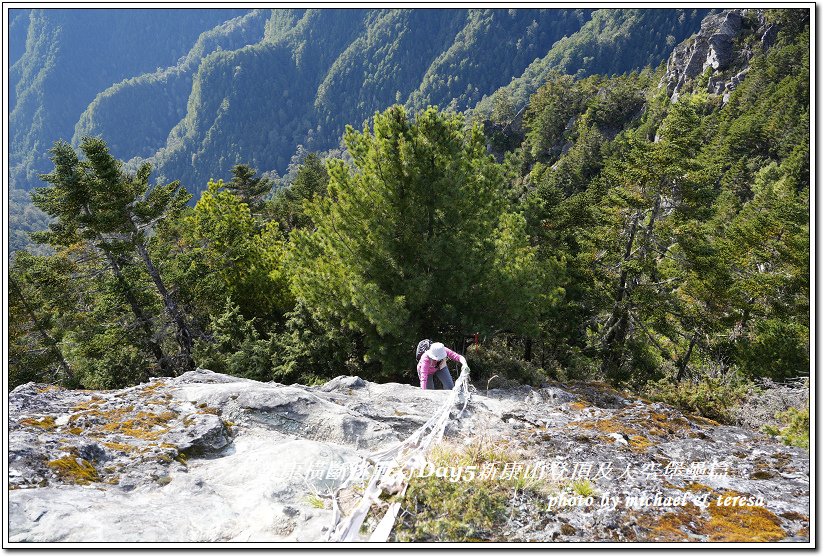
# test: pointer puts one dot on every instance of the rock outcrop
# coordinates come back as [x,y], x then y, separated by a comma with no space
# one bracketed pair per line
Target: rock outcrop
[717,47]
[207,457]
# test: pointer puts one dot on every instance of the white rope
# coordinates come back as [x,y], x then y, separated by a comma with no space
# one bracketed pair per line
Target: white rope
[392,468]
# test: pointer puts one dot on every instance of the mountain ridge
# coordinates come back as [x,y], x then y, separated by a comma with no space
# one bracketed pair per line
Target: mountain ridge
[324,86]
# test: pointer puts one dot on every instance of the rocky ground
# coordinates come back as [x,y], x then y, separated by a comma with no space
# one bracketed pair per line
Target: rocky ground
[207,457]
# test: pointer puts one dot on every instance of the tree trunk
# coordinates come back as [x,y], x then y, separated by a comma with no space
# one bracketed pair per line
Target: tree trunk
[184,335]
[144,321]
[613,341]
[131,299]
[682,365]
[645,245]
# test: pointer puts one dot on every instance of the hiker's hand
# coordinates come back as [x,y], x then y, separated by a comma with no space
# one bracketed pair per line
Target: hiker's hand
[463,361]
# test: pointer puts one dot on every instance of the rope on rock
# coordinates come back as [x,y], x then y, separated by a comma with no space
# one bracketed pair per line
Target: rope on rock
[392,468]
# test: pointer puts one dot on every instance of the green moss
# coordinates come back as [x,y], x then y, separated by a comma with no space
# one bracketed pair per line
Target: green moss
[74,469]
[440,510]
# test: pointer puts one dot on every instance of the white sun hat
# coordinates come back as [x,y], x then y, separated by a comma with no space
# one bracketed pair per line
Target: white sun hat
[437,351]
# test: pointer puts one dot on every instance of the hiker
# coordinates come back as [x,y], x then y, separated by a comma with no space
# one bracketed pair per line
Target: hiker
[432,361]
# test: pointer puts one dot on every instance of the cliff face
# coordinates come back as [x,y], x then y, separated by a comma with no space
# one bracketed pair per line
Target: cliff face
[208,457]
[720,50]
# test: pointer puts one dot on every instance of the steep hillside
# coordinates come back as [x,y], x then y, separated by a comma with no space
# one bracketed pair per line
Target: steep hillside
[153,103]
[216,87]
[366,60]
[611,42]
[71,55]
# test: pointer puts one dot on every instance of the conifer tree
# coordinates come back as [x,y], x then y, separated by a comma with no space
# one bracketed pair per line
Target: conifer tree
[249,188]
[404,245]
[95,203]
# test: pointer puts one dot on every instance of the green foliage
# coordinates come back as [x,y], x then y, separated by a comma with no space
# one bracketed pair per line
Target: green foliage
[714,398]
[496,365]
[234,347]
[795,429]
[40,307]
[104,213]
[188,91]
[222,251]
[247,187]
[310,350]
[584,488]
[610,42]
[402,245]
[452,512]
[624,236]
[439,509]
[287,205]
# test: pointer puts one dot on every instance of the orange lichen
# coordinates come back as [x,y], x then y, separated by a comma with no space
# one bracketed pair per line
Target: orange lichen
[153,387]
[702,420]
[46,422]
[605,426]
[696,487]
[122,447]
[48,388]
[639,443]
[75,469]
[675,525]
[143,425]
[92,402]
[578,405]
[736,523]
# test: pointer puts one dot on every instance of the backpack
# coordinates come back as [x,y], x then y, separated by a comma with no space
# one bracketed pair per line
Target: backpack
[423,346]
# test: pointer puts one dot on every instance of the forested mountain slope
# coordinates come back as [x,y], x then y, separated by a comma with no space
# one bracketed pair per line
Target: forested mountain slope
[71,55]
[196,91]
[611,42]
[60,60]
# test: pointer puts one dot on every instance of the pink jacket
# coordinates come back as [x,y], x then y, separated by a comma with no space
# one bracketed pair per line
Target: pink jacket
[427,366]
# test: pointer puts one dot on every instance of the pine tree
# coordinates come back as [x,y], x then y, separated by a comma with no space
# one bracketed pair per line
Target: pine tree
[248,188]
[404,245]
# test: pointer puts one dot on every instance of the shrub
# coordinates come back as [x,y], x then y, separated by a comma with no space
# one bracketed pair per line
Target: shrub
[714,398]
[796,431]
[502,366]
[767,399]
[437,509]
[235,347]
